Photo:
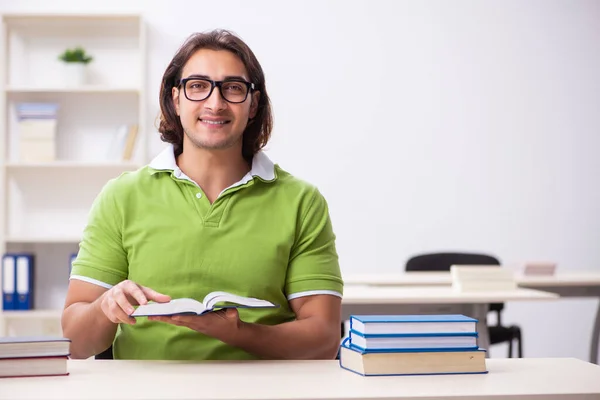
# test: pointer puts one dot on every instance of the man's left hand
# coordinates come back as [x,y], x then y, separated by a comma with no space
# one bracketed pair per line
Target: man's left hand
[215,323]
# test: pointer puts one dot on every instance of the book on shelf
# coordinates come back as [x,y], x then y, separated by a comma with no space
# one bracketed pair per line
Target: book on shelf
[211,302]
[402,362]
[33,356]
[399,324]
[37,125]
[123,143]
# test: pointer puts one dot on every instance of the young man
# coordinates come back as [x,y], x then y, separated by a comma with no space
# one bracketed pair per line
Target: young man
[211,212]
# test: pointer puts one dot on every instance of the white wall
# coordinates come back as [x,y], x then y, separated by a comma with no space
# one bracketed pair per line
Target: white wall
[428,125]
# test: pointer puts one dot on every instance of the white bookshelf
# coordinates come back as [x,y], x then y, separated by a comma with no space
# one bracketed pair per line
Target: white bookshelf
[23,90]
[42,239]
[47,203]
[66,165]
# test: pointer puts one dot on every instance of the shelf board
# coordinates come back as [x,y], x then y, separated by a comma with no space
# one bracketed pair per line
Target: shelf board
[25,18]
[30,314]
[73,164]
[73,23]
[72,90]
[43,239]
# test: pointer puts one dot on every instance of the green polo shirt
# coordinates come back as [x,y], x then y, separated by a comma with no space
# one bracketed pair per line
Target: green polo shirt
[268,236]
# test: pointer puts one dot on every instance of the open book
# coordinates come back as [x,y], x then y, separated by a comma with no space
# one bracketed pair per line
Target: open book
[213,300]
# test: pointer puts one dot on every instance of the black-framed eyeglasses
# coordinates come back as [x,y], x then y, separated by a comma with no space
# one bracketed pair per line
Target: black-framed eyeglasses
[232,90]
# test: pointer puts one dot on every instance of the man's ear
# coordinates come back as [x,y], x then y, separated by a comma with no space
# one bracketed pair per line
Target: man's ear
[175,95]
[254,105]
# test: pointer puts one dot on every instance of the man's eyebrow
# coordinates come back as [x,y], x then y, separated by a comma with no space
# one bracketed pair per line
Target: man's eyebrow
[234,77]
[227,78]
[198,76]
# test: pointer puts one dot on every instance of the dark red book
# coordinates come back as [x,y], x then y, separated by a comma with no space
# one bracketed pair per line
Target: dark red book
[33,366]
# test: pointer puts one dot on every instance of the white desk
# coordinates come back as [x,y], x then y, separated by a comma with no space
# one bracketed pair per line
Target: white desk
[432,299]
[554,379]
[588,280]
[575,284]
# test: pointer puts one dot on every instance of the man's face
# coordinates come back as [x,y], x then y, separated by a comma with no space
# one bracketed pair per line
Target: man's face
[214,123]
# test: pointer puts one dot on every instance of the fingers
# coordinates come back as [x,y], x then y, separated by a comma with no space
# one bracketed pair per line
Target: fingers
[116,304]
[115,313]
[134,290]
[232,313]
[152,294]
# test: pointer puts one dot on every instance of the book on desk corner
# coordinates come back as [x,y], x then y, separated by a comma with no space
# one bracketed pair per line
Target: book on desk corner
[28,356]
[33,366]
[409,362]
[211,302]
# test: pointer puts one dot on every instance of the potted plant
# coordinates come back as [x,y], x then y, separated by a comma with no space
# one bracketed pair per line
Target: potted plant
[75,61]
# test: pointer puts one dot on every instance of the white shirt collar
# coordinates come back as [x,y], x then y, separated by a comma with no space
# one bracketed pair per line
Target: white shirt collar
[262,166]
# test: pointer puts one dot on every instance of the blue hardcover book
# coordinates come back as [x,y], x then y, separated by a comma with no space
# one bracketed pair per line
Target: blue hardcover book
[404,324]
[414,341]
[24,287]
[425,362]
[9,282]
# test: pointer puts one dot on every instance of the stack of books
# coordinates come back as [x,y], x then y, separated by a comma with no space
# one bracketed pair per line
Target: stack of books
[37,131]
[33,356]
[412,345]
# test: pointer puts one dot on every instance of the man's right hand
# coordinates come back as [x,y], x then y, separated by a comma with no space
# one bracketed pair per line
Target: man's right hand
[117,303]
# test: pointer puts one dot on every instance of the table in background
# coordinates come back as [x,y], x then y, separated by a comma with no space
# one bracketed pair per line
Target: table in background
[574,284]
[432,300]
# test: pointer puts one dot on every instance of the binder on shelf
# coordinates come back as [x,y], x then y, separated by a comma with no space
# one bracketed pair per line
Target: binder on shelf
[72,259]
[9,278]
[24,263]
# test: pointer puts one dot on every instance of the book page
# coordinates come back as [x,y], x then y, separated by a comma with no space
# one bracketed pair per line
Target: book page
[175,306]
[217,297]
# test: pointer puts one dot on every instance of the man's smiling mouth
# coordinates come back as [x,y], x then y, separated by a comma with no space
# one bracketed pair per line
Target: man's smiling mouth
[213,122]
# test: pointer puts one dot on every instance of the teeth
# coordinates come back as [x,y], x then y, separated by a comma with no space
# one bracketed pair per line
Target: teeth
[213,122]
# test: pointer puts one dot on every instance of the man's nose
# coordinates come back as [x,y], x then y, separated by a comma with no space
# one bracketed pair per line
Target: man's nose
[215,101]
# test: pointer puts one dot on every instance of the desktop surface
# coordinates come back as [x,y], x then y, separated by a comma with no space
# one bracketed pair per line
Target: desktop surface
[556,379]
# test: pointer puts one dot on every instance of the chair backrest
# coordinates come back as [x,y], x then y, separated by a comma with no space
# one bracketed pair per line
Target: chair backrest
[443,261]
[105,355]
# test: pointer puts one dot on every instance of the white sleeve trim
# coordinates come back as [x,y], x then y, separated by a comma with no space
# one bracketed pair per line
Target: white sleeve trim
[90,280]
[312,293]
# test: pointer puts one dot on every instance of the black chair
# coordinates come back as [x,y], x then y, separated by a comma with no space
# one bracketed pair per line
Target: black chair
[105,355]
[443,262]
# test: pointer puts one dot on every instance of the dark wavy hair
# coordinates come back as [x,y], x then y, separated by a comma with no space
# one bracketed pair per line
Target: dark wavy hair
[257,132]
